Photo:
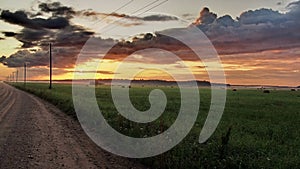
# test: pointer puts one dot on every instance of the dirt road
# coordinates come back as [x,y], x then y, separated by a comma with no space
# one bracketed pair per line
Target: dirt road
[35,134]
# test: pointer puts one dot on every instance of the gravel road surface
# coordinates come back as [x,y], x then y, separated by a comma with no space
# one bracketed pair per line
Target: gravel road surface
[35,134]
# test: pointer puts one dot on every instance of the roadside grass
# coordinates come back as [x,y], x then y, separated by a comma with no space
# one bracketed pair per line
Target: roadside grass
[257,130]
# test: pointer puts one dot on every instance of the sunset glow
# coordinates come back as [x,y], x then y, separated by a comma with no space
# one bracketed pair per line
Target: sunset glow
[260,47]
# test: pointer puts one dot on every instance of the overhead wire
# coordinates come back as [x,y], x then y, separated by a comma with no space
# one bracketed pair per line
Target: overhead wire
[146,6]
[121,7]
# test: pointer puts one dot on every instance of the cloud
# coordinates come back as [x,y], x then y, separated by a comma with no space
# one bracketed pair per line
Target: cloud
[9,34]
[98,72]
[67,43]
[32,37]
[90,13]
[268,67]
[72,36]
[294,6]
[252,31]
[261,16]
[200,67]
[64,51]
[159,18]
[21,18]
[38,32]
[20,57]
[2,59]
[99,15]
[226,21]
[57,9]
[62,58]
[206,17]
[39,73]
[152,48]
[188,16]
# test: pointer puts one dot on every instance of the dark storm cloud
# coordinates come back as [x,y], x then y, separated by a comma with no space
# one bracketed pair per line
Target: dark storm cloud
[62,58]
[67,38]
[57,9]
[67,43]
[19,58]
[21,18]
[64,52]
[18,17]
[74,36]
[9,34]
[2,59]
[33,37]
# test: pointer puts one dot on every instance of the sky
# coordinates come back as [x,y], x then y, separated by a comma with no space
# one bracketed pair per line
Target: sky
[256,41]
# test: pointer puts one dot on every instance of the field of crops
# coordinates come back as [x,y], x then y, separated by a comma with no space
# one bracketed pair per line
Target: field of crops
[264,126]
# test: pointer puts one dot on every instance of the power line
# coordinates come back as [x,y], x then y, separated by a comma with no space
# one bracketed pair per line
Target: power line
[145,6]
[11,77]
[123,6]
[149,4]
[153,7]
[140,13]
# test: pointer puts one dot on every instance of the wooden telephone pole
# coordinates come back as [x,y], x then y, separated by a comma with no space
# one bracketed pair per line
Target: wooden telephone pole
[25,74]
[17,75]
[13,76]
[50,53]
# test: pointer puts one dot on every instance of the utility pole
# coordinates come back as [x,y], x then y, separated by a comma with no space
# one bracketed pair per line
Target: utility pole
[17,74]
[13,76]
[50,53]
[25,74]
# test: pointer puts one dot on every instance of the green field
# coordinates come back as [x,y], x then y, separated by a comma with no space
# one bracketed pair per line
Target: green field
[265,127]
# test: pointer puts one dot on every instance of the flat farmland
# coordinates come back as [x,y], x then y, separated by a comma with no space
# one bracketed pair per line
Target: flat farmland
[257,130]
